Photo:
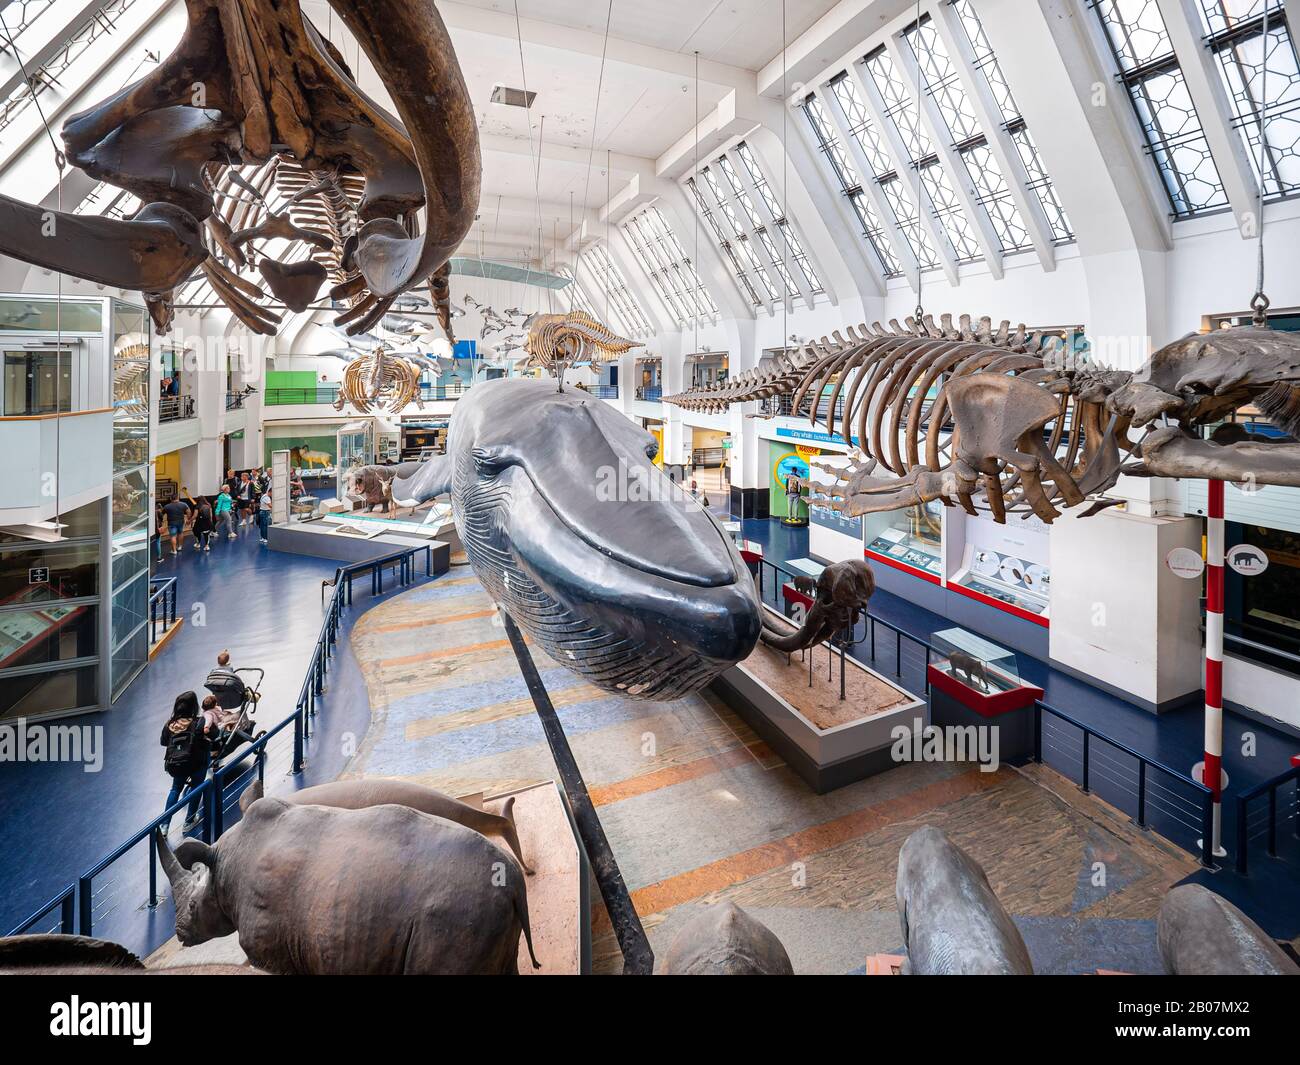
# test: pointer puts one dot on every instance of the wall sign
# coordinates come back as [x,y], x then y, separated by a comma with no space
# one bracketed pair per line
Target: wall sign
[1184,562]
[38,575]
[1247,559]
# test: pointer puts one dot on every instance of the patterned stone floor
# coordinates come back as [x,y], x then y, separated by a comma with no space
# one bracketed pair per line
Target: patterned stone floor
[698,809]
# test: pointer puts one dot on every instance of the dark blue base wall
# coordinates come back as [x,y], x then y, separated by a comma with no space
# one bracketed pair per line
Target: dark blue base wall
[988,621]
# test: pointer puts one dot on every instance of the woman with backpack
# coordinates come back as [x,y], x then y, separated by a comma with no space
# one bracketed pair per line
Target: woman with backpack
[187,756]
[202,527]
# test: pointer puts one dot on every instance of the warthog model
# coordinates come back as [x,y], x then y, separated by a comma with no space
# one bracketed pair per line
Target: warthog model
[1202,934]
[953,924]
[723,940]
[960,664]
[382,890]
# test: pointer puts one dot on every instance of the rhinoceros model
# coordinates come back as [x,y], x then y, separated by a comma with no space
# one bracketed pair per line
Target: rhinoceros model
[358,794]
[953,924]
[386,889]
[723,940]
[1203,934]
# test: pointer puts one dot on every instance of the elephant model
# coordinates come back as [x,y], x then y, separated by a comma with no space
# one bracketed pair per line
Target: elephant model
[1203,934]
[723,940]
[319,890]
[843,590]
[953,924]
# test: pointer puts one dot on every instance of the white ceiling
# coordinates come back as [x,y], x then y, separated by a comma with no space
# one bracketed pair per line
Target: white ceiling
[643,107]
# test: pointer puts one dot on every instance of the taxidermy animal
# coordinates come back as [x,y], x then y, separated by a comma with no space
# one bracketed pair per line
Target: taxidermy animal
[383,890]
[54,955]
[1203,934]
[970,667]
[843,589]
[605,563]
[952,922]
[723,940]
[357,794]
[1031,427]
[371,486]
[252,81]
[303,455]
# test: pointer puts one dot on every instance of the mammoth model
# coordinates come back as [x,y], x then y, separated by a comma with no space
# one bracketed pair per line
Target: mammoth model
[723,940]
[605,563]
[387,889]
[842,592]
[947,411]
[380,201]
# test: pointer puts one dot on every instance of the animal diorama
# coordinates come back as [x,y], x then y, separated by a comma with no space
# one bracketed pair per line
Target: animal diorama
[304,455]
[842,592]
[950,410]
[968,668]
[372,486]
[600,558]
[380,201]
[356,881]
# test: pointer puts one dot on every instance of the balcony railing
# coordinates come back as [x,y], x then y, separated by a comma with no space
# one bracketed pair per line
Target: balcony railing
[604,391]
[651,394]
[175,408]
[234,400]
[329,393]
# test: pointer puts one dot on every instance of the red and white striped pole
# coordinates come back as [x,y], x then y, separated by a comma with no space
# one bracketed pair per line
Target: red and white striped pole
[1212,773]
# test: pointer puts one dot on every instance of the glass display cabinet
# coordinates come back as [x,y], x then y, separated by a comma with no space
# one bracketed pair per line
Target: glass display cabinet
[356,448]
[912,537]
[1015,582]
[978,674]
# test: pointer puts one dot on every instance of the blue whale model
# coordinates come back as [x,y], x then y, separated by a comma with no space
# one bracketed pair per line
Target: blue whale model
[602,560]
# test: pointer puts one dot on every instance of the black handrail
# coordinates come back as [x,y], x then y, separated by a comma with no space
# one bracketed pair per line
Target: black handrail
[162,594]
[1205,795]
[1268,787]
[77,899]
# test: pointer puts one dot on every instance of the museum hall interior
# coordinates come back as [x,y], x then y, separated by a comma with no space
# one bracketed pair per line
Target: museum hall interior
[545,487]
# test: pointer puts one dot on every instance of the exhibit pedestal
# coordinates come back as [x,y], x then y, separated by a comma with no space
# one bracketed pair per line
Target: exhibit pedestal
[1011,712]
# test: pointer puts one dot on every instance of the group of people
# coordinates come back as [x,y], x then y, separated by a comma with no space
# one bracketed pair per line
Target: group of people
[242,501]
[194,733]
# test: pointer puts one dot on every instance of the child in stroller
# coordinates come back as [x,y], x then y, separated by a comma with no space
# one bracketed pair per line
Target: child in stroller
[232,703]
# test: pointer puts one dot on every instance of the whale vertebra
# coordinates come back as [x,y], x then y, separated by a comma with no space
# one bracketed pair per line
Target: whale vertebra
[605,563]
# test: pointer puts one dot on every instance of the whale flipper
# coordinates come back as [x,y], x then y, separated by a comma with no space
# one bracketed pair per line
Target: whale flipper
[418,482]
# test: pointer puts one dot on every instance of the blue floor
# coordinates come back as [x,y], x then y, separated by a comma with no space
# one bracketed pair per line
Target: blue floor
[56,820]
[1174,738]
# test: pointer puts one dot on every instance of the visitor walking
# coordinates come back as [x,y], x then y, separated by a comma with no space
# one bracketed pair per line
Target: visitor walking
[176,512]
[188,752]
[225,512]
[247,498]
[264,514]
[202,527]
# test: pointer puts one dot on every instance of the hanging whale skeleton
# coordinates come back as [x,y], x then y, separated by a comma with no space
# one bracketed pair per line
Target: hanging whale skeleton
[963,413]
[252,82]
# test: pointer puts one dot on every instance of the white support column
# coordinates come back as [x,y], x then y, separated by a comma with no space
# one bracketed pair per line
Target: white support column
[870,186]
[949,158]
[989,117]
[900,158]
[1183,21]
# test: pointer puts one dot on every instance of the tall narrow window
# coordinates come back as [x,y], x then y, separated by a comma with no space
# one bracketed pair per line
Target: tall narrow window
[670,269]
[986,63]
[1235,34]
[1149,71]
[837,159]
[626,312]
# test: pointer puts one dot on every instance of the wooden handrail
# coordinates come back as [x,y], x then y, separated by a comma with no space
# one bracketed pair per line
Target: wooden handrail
[60,414]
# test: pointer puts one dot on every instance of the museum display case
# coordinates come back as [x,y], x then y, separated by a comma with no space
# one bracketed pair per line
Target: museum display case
[910,538]
[1005,578]
[977,673]
[355,448]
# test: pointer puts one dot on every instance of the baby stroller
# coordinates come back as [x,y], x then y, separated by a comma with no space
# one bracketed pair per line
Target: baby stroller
[238,703]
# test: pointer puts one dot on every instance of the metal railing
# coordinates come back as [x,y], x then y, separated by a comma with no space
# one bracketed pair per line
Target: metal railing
[175,408]
[604,391]
[84,903]
[234,400]
[709,456]
[1169,802]
[281,397]
[652,394]
[162,605]
[1248,829]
